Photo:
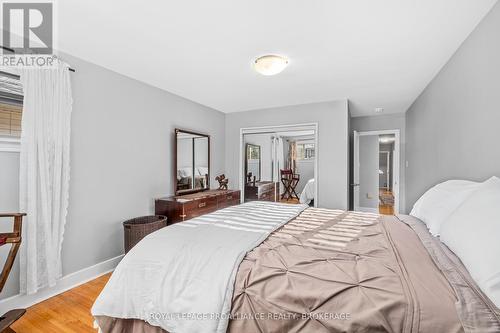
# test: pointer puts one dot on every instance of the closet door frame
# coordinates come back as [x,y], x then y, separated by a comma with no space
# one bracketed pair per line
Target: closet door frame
[273,129]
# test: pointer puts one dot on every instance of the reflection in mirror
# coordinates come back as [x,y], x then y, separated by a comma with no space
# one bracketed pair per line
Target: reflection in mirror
[193,159]
[252,162]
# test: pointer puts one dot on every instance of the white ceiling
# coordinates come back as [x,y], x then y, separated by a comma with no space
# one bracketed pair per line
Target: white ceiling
[375,53]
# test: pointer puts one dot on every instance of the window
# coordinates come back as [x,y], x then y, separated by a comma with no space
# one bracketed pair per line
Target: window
[10,120]
[305,151]
[253,152]
[11,109]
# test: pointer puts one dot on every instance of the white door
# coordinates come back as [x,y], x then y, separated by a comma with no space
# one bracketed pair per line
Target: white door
[355,182]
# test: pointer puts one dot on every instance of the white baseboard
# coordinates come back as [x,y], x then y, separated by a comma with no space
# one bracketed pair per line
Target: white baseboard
[367,209]
[65,283]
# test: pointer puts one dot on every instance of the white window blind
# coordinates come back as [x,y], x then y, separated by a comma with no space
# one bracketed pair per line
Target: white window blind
[11,109]
[10,120]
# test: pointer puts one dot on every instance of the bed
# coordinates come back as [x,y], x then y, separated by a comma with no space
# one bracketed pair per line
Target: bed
[307,194]
[270,267]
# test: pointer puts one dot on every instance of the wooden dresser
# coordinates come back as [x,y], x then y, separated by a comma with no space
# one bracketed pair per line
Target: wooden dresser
[185,207]
[262,191]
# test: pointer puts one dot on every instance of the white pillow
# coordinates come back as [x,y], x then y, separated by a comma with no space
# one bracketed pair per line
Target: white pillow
[202,171]
[473,233]
[440,201]
[185,172]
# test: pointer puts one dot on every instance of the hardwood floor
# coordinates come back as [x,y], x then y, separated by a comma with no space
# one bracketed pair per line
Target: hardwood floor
[386,209]
[386,206]
[290,201]
[68,312]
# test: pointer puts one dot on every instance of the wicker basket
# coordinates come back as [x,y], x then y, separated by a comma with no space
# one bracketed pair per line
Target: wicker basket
[136,229]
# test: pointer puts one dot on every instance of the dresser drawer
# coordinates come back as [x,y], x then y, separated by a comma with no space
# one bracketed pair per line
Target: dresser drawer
[228,199]
[200,207]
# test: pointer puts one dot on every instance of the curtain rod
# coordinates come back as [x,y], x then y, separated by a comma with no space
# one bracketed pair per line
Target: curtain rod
[12,51]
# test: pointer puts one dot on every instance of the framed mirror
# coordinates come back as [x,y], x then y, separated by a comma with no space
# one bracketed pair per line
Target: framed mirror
[252,162]
[192,162]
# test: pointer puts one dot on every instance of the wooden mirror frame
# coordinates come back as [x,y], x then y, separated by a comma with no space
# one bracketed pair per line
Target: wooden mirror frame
[246,161]
[189,191]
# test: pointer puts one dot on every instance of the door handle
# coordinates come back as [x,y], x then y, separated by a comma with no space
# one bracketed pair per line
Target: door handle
[354,184]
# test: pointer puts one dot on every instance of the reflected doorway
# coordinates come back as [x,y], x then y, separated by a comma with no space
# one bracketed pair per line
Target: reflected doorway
[376,172]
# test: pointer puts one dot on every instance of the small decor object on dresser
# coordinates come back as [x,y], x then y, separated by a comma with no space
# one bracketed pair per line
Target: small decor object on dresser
[223,181]
[136,229]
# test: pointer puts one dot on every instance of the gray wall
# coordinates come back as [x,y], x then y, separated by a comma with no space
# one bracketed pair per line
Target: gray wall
[305,168]
[201,153]
[333,143]
[122,144]
[453,128]
[368,171]
[9,203]
[388,122]
[185,153]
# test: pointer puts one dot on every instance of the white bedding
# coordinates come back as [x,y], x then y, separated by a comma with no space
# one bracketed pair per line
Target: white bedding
[472,232]
[440,201]
[308,192]
[187,270]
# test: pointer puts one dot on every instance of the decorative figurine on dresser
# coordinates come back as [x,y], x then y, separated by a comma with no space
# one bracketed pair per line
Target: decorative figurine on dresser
[193,196]
[223,181]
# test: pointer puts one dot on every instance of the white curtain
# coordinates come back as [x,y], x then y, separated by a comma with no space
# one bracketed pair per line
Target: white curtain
[278,153]
[44,173]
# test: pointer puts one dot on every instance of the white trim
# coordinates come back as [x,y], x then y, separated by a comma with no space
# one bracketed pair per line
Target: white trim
[381,132]
[10,150]
[367,210]
[280,128]
[10,145]
[355,171]
[65,283]
[397,158]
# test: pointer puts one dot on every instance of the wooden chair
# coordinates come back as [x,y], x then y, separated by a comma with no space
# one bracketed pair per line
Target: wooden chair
[290,181]
[13,238]
[249,179]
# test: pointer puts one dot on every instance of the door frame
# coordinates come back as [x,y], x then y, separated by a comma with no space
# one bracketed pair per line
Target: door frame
[273,129]
[396,161]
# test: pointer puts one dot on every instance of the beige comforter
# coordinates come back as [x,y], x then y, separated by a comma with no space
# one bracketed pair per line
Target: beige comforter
[336,271]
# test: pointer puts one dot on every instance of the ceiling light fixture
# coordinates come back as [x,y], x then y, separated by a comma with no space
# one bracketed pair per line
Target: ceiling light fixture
[270,64]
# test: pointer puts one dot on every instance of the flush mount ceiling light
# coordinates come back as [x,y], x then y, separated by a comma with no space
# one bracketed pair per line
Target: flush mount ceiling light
[270,64]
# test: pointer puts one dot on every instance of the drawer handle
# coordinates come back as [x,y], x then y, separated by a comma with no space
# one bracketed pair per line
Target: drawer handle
[203,204]
[229,197]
